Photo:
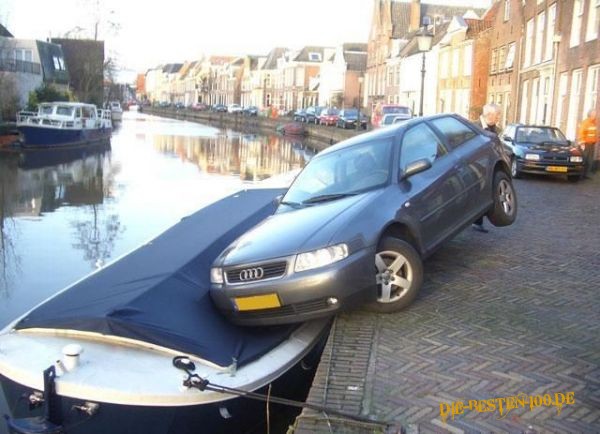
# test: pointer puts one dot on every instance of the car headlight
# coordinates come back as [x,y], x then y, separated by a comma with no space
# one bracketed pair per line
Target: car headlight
[576,159]
[321,257]
[534,157]
[216,275]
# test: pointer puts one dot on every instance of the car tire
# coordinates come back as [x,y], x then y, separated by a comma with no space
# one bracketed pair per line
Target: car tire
[504,209]
[514,168]
[398,275]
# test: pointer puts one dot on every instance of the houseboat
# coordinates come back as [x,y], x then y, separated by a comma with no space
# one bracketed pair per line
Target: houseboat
[116,110]
[64,124]
[138,346]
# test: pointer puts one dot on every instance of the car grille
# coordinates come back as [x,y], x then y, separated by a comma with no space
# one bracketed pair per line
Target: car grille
[288,310]
[555,158]
[269,271]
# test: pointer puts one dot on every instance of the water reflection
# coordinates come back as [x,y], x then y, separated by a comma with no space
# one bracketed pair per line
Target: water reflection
[250,157]
[35,183]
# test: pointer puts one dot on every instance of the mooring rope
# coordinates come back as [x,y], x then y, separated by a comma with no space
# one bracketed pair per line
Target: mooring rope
[202,384]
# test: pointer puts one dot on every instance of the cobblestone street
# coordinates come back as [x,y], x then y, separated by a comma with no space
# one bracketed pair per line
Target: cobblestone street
[513,311]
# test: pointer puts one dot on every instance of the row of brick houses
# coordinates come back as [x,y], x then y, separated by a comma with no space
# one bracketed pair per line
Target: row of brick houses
[539,60]
[285,79]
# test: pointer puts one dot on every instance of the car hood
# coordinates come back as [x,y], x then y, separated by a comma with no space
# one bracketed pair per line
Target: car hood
[292,231]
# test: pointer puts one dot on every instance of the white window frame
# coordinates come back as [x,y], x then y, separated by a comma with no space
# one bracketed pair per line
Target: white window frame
[528,43]
[524,102]
[506,10]
[593,21]
[551,23]
[563,91]
[573,108]
[468,60]
[535,100]
[540,23]
[455,62]
[576,23]
[510,56]
[591,87]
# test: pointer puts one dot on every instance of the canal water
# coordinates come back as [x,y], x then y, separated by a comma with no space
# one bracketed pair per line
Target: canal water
[65,214]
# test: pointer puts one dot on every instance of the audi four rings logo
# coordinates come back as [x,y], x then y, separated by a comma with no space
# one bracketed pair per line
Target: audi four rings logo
[252,274]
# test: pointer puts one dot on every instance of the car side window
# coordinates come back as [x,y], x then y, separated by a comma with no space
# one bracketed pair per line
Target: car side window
[418,143]
[454,130]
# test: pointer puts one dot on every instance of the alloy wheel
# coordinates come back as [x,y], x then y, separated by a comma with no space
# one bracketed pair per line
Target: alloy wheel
[506,197]
[394,276]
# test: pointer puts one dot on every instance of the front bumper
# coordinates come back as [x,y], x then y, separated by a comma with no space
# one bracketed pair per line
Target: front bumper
[550,167]
[304,296]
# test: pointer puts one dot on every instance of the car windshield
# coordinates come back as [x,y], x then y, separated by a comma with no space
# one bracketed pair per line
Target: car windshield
[330,111]
[539,135]
[341,173]
[351,112]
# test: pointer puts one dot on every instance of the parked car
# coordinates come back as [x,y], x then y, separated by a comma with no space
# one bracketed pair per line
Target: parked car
[329,116]
[385,109]
[357,222]
[179,105]
[251,111]
[312,114]
[300,115]
[542,150]
[393,118]
[235,108]
[199,106]
[219,108]
[348,117]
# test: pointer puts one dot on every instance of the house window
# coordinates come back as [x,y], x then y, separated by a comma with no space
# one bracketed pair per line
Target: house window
[527,42]
[535,94]
[467,60]
[56,63]
[455,57]
[539,37]
[390,76]
[506,10]
[573,108]
[494,61]
[562,98]
[314,57]
[550,32]
[591,88]
[501,58]
[510,56]
[576,24]
[444,64]
[593,23]
[524,101]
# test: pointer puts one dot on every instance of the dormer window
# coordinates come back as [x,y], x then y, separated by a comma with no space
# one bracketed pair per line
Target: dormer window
[427,21]
[314,57]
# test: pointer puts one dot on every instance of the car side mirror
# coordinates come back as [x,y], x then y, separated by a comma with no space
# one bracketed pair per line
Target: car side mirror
[415,167]
[507,138]
[278,200]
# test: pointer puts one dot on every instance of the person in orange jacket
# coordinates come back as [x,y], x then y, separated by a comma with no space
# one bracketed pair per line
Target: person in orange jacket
[587,138]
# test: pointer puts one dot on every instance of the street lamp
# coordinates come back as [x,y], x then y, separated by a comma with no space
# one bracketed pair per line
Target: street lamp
[424,40]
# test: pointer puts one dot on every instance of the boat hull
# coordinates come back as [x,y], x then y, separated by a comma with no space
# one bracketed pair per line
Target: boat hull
[233,415]
[44,137]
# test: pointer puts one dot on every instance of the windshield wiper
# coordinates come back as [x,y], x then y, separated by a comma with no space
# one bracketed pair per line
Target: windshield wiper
[291,204]
[327,197]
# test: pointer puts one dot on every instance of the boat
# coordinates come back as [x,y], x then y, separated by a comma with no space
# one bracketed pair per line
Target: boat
[59,124]
[292,129]
[128,348]
[116,110]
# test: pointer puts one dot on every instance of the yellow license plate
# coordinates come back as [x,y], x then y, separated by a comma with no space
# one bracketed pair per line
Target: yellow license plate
[561,169]
[257,302]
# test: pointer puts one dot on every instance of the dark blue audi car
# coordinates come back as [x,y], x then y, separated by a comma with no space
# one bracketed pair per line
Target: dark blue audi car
[356,223]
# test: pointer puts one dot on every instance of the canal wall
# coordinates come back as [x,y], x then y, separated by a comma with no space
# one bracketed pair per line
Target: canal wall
[321,136]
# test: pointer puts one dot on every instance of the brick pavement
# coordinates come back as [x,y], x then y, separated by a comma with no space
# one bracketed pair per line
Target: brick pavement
[516,310]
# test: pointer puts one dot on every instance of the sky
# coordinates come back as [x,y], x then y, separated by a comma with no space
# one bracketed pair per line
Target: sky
[150,33]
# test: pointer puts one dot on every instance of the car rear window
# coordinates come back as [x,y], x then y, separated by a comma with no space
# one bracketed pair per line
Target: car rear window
[455,131]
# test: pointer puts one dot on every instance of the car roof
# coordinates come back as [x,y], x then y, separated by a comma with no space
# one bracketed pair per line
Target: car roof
[384,133]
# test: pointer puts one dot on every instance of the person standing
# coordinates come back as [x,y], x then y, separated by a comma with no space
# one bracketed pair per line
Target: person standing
[587,139]
[490,121]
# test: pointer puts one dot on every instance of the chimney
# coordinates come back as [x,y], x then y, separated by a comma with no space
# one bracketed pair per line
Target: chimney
[415,15]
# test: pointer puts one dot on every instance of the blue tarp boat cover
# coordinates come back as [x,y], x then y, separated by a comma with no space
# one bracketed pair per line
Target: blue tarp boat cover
[160,292]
